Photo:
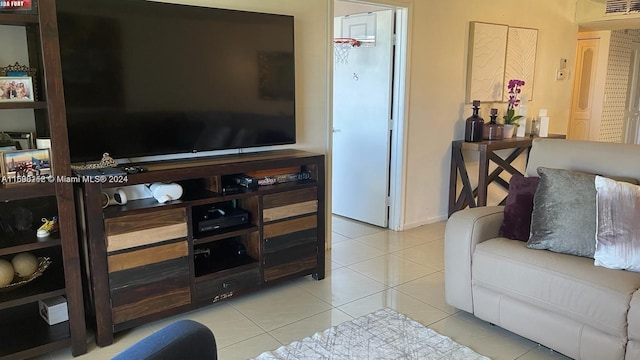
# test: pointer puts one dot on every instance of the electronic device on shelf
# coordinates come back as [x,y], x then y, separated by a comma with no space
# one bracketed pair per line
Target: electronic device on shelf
[160,80]
[133,169]
[241,180]
[213,217]
[108,172]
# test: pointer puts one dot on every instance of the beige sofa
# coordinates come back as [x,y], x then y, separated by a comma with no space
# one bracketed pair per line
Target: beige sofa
[561,301]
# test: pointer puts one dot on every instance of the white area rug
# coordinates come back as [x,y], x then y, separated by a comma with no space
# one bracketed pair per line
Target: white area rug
[384,334]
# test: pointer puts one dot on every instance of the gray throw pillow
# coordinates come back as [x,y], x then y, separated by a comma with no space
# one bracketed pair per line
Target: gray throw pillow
[564,213]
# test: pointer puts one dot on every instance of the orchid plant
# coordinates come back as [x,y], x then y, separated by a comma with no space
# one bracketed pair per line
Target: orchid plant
[514,87]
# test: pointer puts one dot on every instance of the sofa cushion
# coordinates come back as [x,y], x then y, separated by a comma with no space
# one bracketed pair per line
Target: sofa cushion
[564,213]
[618,234]
[518,207]
[564,284]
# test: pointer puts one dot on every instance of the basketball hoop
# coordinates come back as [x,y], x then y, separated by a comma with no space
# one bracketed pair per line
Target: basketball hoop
[341,48]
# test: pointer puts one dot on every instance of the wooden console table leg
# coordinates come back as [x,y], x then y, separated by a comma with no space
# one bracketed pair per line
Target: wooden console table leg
[483,174]
[466,194]
[453,180]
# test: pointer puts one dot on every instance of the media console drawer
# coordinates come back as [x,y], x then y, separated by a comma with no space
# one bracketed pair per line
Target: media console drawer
[289,204]
[148,289]
[290,226]
[282,242]
[223,287]
[290,261]
[130,231]
[290,246]
[146,256]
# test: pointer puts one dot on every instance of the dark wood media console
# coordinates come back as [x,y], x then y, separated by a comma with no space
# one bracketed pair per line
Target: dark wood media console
[148,260]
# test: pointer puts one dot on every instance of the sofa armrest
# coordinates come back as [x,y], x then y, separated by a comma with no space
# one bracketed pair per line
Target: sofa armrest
[464,230]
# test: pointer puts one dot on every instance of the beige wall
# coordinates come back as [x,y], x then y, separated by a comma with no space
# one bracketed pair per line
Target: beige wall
[345,7]
[439,32]
[589,10]
[438,51]
[590,15]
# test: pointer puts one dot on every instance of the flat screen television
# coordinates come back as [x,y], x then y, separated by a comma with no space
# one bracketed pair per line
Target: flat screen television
[145,78]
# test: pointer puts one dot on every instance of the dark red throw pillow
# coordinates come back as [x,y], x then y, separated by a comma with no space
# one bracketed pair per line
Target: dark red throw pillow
[518,207]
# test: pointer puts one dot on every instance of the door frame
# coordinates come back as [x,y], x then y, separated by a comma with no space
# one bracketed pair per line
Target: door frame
[397,168]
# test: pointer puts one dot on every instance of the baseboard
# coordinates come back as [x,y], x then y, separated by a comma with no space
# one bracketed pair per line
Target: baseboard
[427,221]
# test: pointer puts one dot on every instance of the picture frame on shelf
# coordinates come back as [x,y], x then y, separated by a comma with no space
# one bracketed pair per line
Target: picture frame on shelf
[23,140]
[4,148]
[16,89]
[33,165]
[22,70]
[8,143]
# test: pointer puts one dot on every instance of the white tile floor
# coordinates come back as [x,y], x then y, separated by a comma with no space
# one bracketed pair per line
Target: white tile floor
[369,268]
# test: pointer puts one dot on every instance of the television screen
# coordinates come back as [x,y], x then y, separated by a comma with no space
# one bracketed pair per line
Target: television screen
[145,78]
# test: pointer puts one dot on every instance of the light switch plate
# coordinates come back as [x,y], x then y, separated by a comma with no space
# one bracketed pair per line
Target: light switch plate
[562,74]
[563,63]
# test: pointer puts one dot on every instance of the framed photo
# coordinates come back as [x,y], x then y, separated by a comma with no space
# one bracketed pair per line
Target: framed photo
[7,148]
[17,70]
[26,166]
[21,140]
[16,88]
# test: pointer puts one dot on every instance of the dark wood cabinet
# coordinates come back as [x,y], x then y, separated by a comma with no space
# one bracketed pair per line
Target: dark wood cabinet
[148,260]
[23,333]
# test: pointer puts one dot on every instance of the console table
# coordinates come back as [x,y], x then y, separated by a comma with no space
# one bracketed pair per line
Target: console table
[478,197]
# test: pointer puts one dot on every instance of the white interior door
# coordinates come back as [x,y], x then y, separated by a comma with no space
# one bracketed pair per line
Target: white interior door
[583,89]
[361,122]
[631,130]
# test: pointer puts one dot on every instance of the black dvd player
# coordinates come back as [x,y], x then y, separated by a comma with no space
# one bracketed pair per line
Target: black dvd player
[215,218]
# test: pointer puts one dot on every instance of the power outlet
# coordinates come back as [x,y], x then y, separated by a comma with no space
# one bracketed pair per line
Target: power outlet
[562,74]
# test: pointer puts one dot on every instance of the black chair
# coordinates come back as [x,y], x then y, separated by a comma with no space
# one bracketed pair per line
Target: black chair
[183,339]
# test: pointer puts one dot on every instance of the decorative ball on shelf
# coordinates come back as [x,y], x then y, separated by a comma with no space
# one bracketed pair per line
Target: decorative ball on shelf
[6,272]
[24,264]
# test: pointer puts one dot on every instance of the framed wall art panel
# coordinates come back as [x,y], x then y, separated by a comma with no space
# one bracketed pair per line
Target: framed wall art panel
[486,61]
[521,59]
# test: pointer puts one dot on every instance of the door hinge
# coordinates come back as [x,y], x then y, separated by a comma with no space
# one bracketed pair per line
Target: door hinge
[390,124]
[387,201]
[394,39]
